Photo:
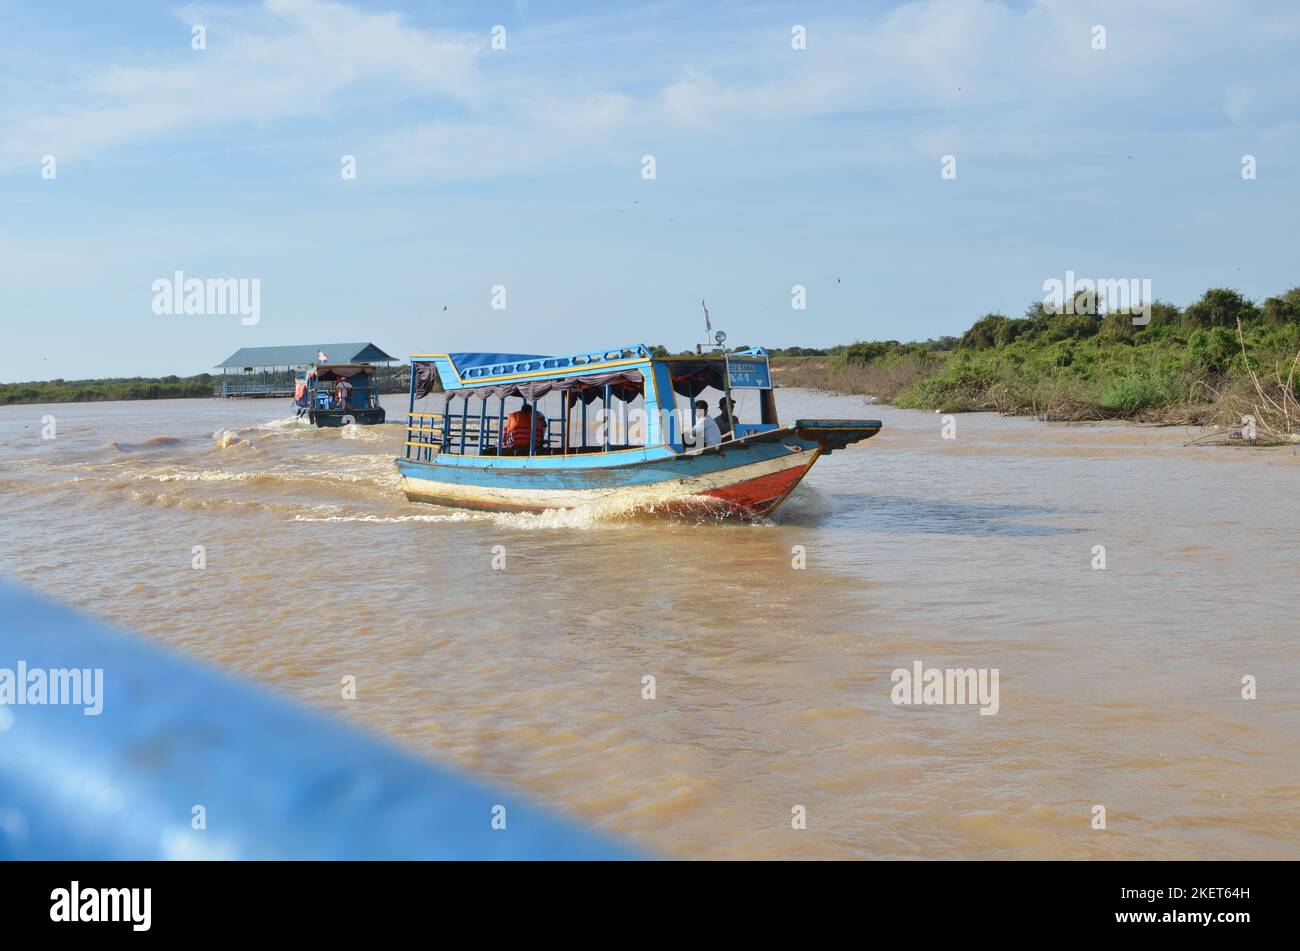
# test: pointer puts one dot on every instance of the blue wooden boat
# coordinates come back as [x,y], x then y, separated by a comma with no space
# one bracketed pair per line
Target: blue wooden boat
[335,394]
[604,425]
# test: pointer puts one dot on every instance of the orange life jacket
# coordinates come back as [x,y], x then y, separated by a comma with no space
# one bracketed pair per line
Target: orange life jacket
[516,431]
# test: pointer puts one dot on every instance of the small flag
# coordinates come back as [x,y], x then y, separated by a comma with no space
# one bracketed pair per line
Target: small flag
[707,326]
[322,356]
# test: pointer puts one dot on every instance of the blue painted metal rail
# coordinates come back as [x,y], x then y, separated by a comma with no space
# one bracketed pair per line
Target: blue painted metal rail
[272,779]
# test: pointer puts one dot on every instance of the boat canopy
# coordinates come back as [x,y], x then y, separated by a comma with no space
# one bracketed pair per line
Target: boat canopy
[341,371]
[479,370]
[623,384]
[465,362]
[630,385]
[533,375]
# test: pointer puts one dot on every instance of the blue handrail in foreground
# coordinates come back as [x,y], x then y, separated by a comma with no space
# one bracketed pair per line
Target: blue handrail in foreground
[269,779]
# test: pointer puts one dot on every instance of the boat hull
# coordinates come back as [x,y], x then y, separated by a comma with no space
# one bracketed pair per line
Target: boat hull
[754,487]
[746,478]
[743,478]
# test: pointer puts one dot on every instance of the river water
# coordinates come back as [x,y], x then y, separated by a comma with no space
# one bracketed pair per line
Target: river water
[1119,686]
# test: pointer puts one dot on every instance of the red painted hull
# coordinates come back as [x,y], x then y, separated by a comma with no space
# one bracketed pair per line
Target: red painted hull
[763,494]
[747,499]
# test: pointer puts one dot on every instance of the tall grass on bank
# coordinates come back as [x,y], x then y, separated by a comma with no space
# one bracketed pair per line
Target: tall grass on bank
[1274,407]
[883,379]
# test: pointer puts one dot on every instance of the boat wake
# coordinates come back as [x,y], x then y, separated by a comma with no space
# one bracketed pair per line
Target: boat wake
[228,438]
[288,423]
[389,519]
[805,505]
[624,507]
[153,442]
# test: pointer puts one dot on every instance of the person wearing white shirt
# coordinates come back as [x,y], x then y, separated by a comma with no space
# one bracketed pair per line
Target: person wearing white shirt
[704,429]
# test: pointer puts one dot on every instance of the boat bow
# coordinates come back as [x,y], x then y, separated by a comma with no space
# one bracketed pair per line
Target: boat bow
[832,434]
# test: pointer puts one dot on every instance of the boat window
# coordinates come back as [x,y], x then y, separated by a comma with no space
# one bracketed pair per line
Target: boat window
[753,409]
[600,427]
[746,406]
[747,409]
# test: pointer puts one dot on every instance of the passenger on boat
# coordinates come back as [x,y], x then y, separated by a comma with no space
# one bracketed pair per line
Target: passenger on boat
[518,423]
[704,429]
[725,419]
[342,391]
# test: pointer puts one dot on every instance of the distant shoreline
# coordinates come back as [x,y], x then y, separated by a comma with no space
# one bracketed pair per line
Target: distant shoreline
[1223,360]
[107,390]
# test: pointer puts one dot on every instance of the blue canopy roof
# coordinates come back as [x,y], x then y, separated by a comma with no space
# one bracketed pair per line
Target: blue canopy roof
[457,370]
[467,361]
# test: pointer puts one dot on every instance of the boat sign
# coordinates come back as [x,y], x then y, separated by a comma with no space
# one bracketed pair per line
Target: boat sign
[748,374]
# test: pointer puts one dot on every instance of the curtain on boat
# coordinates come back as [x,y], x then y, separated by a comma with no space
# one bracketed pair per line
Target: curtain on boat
[426,378]
[691,376]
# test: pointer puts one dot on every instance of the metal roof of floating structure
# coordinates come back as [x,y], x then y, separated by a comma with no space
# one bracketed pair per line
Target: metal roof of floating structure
[306,355]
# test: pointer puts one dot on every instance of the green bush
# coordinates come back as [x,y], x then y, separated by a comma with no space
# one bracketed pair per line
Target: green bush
[1212,350]
[1132,393]
[1219,307]
[990,331]
[1071,327]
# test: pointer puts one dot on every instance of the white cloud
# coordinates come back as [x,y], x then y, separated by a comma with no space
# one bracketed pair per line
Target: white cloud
[289,59]
[594,90]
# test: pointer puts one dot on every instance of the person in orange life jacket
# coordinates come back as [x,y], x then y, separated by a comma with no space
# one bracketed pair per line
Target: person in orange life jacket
[517,428]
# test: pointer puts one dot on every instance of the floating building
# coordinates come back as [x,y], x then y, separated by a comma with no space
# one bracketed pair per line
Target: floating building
[269,371]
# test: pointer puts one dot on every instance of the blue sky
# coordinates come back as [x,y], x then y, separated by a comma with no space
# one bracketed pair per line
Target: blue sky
[522,167]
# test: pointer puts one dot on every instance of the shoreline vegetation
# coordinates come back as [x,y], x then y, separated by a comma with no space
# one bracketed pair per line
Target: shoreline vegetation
[109,389]
[1223,361]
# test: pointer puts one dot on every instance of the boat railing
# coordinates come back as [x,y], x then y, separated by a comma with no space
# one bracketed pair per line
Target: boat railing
[425,436]
[430,434]
[233,390]
[145,755]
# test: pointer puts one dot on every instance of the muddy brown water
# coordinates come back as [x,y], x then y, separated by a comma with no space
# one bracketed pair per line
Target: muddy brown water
[1119,687]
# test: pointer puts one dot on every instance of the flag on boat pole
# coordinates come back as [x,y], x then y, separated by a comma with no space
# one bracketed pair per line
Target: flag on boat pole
[322,356]
[707,326]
